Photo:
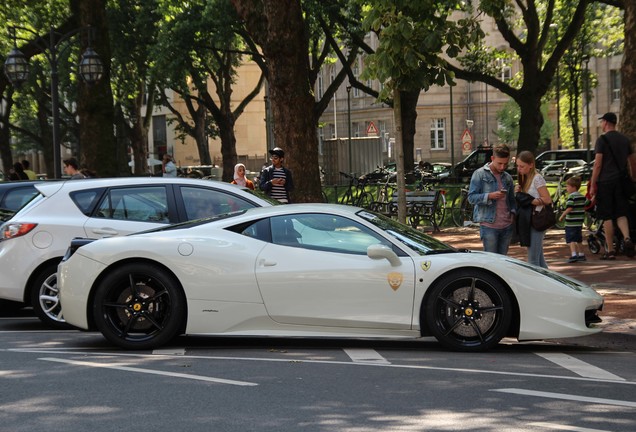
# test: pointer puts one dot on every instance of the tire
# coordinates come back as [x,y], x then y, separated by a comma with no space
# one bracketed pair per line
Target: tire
[457,211]
[468,310]
[139,306]
[45,298]
[439,214]
[593,244]
[365,200]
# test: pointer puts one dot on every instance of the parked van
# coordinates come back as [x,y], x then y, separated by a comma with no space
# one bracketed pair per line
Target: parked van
[560,155]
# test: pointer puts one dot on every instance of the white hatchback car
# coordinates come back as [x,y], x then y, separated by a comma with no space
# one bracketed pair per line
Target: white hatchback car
[33,242]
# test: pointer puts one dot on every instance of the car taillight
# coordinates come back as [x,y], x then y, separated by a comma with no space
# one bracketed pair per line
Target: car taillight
[16,229]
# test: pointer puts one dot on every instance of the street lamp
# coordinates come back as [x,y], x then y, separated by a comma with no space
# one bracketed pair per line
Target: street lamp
[349,123]
[588,136]
[16,68]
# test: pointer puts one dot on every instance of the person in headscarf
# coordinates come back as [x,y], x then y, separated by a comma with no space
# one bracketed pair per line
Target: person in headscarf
[239,177]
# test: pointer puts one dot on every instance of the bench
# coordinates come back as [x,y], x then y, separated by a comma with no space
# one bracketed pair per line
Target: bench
[420,206]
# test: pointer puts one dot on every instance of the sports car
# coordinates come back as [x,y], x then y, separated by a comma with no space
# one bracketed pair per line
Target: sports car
[313,270]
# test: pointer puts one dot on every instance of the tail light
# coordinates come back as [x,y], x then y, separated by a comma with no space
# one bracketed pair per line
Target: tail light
[16,229]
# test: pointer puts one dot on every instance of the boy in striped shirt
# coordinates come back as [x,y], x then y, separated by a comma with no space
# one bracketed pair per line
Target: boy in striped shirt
[574,215]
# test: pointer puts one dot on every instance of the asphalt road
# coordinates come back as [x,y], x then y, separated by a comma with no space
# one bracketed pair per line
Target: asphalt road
[74,381]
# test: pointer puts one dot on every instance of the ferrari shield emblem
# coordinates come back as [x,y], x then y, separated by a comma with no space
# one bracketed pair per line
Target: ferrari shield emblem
[425,265]
[395,280]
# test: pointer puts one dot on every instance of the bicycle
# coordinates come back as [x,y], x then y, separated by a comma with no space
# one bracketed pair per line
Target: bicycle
[462,210]
[559,200]
[356,194]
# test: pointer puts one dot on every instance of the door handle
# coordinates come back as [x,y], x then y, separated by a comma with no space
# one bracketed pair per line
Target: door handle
[267,263]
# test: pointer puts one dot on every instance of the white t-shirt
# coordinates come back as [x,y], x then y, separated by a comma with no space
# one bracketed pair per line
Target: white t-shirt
[537,182]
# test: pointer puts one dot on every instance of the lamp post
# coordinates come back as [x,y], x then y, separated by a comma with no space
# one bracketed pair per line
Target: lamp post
[558,97]
[349,125]
[588,136]
[16,68]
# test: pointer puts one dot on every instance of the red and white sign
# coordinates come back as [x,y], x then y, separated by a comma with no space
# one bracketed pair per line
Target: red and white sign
[372,130]
[467,142]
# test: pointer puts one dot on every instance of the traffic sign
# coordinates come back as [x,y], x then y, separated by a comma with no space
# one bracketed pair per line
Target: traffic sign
[371,129]
[467,137]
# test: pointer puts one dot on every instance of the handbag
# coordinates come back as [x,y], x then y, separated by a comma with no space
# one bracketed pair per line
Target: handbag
[543,219]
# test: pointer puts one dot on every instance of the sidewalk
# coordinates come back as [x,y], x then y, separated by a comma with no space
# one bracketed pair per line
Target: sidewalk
[614,280]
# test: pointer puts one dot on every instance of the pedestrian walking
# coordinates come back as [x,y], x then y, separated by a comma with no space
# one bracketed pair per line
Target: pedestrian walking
[614,167]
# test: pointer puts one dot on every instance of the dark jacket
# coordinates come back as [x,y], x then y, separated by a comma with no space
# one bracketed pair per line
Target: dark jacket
[265,182]
[524,217]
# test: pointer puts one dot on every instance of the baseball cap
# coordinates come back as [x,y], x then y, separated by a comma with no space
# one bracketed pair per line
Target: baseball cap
[277,151]
[610,117]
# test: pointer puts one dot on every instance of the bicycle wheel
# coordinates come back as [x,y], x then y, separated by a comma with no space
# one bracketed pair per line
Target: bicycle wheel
[440,212]
[459,209]
[558,203]
[364,200]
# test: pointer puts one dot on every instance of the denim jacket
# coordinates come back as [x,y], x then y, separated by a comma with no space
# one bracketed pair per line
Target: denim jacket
[482,183]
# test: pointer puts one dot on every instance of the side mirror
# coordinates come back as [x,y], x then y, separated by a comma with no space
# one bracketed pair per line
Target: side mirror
[378,251]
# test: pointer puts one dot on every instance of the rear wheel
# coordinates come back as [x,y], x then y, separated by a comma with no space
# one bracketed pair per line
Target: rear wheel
[45,298]
[139,306]
[468,310]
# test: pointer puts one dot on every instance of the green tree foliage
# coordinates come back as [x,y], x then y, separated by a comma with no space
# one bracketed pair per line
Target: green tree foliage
[526,27]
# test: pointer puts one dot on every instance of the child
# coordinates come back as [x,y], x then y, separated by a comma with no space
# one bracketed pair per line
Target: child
[574,215]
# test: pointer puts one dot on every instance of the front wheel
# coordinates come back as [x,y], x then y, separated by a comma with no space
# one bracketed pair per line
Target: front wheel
[468,310]
[139,306]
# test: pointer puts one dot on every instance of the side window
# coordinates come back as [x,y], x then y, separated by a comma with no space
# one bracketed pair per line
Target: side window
[14,199]
[85,200]
[202,202]
[323,232]
[146,204]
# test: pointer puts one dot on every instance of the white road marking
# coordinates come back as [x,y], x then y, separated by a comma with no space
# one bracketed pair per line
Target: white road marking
[360,355]
[562,427]
[148,371]
[579,367]
[170,351]
[564,396]
[342,363]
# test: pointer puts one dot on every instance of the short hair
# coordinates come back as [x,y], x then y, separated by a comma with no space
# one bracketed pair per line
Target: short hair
[501,151]
[71,162]
[25,164]
[574,181]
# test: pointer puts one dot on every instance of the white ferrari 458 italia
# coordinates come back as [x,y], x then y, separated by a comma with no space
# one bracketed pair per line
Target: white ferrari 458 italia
[313,270]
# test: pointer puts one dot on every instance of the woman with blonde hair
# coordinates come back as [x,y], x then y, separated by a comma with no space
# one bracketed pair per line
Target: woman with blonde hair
[533,184]
[239,177]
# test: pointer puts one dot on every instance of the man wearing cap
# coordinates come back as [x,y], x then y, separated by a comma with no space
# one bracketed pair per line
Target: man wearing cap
[613,154]
[276,180]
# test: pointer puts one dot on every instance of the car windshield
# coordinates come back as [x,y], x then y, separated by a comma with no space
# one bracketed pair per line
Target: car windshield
[415,240]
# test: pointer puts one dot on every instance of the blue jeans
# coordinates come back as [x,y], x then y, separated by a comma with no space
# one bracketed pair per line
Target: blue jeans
[535,250]
[496,240]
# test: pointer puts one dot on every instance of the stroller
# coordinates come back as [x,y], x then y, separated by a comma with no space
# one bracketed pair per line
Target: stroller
[596,237]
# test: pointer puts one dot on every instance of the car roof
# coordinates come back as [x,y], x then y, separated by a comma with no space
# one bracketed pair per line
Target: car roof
[49,187]
[16,184]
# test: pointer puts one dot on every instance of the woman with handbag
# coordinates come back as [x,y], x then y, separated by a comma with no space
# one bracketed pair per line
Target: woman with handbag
[534,185]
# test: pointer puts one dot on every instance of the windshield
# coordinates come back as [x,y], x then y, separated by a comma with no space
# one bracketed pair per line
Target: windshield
[415,240]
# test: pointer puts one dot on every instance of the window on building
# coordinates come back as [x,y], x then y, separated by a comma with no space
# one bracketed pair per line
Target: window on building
[159,135]
[438,134]
[320,86]
[356,73]
[505,71]
[615,83]
[355,129]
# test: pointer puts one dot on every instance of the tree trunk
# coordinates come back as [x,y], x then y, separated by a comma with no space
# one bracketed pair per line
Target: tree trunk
[530,123]
[228,146]
[278,27]
[5,133]
[627,122]
[200,135]
[95,103]
[409,116]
